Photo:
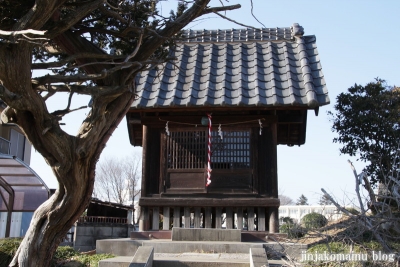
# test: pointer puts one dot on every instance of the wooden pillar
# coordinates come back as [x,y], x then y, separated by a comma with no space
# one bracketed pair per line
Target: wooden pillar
[177,217]
[218,220]
[261,219]
[229,218]
[166,218]
[240,218]
[145,154]
[250,219]
[156,219]
[144,221]
[207,215]
[272,172]
[197,217]
[273,218]
[186,214]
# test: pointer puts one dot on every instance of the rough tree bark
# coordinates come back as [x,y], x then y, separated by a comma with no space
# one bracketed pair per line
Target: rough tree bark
[72,158]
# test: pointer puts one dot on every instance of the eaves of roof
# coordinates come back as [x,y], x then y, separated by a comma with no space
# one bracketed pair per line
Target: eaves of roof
[236,69]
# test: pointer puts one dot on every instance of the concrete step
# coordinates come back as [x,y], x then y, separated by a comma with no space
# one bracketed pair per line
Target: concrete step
[142,258]
[121,261]
[128,247]
[190,259]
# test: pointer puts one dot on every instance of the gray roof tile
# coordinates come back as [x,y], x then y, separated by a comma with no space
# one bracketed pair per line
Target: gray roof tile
[266,67]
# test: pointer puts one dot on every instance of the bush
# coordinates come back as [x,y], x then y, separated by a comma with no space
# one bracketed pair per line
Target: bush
[287,220]
[314,221]
[62,256]
[293,230]
[8,247]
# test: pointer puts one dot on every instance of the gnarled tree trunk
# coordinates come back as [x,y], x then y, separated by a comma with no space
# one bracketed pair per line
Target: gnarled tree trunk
[73,158]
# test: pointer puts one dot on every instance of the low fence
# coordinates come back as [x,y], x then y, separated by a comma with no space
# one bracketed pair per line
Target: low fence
[101,219]
[89,229]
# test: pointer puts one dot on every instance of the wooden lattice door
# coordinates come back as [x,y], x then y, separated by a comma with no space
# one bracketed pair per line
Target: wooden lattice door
[186,161]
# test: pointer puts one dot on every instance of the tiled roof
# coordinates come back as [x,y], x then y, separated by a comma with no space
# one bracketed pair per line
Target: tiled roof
[266,67]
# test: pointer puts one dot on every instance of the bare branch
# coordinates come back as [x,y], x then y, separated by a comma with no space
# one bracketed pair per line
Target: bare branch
[80,89]
[136,49]
[234,21]
[219,9]
[22,32]
[252,13]
[358,182]
[72,58]
[48,79]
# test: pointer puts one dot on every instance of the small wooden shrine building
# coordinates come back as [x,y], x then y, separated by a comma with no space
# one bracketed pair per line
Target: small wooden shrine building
[254,87]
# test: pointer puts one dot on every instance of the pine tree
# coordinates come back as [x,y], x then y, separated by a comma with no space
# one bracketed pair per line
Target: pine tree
[323,201]
[302,200]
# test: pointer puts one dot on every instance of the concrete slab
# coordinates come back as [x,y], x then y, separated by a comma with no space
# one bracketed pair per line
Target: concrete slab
[143,257]
[201,260]
[116,262]
[126,247]
[258,257]
[204,234]
[118,247]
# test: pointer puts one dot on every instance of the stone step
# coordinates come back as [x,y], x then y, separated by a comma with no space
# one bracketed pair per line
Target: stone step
[127,247]
[190,259]
[120,261]
[142,258]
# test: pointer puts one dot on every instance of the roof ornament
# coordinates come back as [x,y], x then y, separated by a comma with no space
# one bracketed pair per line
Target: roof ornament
[297,30]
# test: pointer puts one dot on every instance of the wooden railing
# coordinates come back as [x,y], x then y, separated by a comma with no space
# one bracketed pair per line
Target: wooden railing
[101,219]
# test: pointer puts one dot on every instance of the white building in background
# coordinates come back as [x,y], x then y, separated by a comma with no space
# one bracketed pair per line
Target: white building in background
[299,211]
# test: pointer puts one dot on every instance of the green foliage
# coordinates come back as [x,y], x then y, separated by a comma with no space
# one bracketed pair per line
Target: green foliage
[302,200]
[367,122]
[91,260]
[287,220]
[64,253]
[314,220]
[293,230]
[8,247]
[62,256]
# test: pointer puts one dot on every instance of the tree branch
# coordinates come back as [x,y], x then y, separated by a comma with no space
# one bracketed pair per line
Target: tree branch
[219,9]
[80,89]
[61,63]
[48,79]
[72,18]
[16,33]
[113,14]
[10,98]
[151,44]
[38,15]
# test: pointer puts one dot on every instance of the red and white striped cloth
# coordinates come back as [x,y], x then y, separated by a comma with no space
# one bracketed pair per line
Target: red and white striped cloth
[209,151]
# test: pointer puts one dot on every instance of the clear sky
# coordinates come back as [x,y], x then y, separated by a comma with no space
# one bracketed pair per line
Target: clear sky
[357,40]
